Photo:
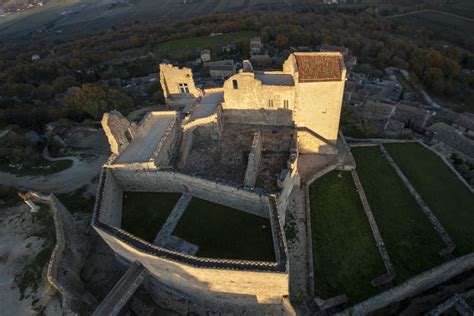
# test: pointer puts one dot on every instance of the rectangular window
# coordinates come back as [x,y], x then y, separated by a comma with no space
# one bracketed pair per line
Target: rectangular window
[183,88]
[235,84]
[286,104]
[270,103]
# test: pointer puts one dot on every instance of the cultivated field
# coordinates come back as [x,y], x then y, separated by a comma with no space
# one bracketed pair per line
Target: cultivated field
[192,46]
[411,240]
[453,28]
[346,259]
[77,16]
[144,213]
[224,232]
[447,197]
[461,7]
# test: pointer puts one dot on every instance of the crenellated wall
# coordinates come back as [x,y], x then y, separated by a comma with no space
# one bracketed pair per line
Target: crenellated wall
[211,290]
[189,283]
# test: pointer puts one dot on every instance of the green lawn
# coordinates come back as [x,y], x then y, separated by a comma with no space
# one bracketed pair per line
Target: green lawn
[447,197]
[191,46]
[224,232]
[411,240]
[144,213]
[345,257]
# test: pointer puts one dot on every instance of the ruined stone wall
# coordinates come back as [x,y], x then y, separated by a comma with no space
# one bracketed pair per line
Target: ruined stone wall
[112,201]
[185,147]
[318,108]
[67,259]
[155,180]
[254,159]
[116,127]
[290,180]
[170,78]
[250,102]
[166,149]
[213,290]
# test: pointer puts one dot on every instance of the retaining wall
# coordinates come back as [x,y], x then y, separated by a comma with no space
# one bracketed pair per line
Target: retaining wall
[414,286]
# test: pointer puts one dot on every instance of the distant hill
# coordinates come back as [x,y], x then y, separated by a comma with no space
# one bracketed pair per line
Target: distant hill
[67,17]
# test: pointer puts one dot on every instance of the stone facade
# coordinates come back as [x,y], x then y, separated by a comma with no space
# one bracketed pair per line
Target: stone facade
[307,93]
[178,85]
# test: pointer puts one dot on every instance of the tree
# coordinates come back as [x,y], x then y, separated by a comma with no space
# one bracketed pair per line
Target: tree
[94,100]
[433,75]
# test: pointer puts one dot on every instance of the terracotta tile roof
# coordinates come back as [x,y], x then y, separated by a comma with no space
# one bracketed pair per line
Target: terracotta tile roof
[313,68]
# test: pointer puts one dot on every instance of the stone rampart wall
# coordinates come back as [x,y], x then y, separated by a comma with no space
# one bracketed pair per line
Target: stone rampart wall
[65,263]
[112,202]
[157,180]
[218,283]
[213,289]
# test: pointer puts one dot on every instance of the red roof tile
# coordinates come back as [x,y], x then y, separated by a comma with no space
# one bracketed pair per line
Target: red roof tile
[313,68]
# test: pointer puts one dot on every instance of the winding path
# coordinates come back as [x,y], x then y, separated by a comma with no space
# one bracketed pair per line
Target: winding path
[431,11]
[80,174]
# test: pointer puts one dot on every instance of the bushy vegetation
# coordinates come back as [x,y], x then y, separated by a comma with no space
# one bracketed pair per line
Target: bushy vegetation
[78,201]
[465,169]
[91,101]
[20,156]
[8,196]
[32,90]
[346,259]
[30,275]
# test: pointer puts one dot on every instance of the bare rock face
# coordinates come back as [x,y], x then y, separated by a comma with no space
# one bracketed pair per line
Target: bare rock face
[119,131]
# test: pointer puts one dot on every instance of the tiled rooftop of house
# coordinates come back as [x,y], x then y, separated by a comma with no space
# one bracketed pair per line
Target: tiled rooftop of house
[314,68]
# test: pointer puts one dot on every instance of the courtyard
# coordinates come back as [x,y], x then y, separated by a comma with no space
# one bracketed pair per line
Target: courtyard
[217,231]
[227,157]
[225,233]
[144,213]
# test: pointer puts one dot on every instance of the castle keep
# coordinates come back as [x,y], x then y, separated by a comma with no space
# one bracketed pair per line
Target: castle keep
[237,147]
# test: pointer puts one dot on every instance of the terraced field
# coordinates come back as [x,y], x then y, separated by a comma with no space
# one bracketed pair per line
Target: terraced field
[447,197]
[411,240]
[346,259]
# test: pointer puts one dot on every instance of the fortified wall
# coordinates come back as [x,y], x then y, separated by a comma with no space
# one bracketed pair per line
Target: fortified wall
[212,285]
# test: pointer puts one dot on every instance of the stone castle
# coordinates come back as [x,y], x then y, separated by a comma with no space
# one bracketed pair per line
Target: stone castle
[245,145]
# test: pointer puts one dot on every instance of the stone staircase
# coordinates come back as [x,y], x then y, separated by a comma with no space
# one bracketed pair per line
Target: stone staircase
[122,291]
